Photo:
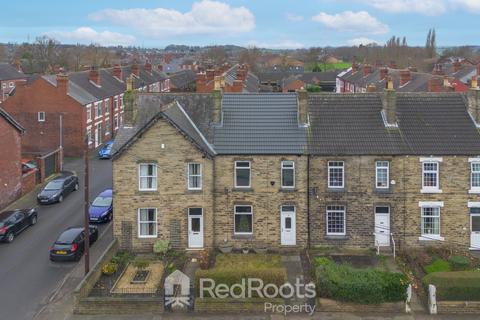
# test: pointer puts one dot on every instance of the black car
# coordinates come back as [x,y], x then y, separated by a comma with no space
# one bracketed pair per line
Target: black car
[58,188]
[70,245]
[14,222]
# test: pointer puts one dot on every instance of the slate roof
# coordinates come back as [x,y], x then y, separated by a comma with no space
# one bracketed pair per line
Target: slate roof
[251,83]
[9,72]
[339,124]
[264,123]
[183,79]
[73,90]
[4,114]
[428,124]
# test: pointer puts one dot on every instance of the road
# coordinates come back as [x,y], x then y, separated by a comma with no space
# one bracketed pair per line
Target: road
[27,276]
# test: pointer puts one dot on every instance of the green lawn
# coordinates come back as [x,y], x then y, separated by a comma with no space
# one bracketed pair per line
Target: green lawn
[245,261]
[328,66]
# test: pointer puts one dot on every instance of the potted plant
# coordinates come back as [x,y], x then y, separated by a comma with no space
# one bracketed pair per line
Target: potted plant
[246,248]
[225,247]
[260,248]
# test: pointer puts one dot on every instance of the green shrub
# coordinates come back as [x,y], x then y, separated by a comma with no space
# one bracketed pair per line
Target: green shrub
[109,268]
[322,261]
[141,263]
[459,263]
[161,246]
[369,286]
[456,285]
[122,258]
[438,265]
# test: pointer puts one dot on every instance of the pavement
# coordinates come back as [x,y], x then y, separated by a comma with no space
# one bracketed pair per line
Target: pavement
[29,281]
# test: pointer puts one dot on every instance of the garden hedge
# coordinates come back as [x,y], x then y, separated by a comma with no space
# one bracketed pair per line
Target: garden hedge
[367,286]
[456,285]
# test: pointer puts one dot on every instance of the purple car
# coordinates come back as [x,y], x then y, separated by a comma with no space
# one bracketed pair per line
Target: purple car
[101,209]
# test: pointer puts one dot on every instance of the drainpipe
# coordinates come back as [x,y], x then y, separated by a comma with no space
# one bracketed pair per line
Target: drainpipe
[308,201]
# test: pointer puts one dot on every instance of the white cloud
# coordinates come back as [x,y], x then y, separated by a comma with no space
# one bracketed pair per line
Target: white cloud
[360,22]
[294,17]
[205,17]
[284,44]
[88,35]
[426,7]
[361,41]
[470,5]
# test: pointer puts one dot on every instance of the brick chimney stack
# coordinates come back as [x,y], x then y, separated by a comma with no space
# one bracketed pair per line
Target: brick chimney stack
[62,82]
[210,74]
[302,96]
[148,67]
[372,88]
[456,66]
[237,86]
[405,77]
[473,97]
[389,103]
[435,84]
[383,73]
[367,69]
[117,72]
[135,69]
[94,76]
[201,81]
[438,70]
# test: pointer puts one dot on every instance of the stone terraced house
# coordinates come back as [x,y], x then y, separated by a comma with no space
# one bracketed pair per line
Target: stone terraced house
[292,170]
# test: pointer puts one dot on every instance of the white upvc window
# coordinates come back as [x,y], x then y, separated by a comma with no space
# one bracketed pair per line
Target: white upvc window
[115,121]
[336,174]
[107,126]
[194,176]
[288,174]
[115,102]
[243,220]
[430,220]
[474,175]
[336,220]
[120,101]
[382,174]
[107,106]
[98,110]
[147,223]
[242,174]
[147,177]
[430,175]
[89,112]
[41,116]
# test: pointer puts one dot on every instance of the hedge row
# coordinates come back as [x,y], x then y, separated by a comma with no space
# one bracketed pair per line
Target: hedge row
[455,286]
[367,286]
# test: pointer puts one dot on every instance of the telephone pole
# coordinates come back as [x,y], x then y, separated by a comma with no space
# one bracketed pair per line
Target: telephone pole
[85,208]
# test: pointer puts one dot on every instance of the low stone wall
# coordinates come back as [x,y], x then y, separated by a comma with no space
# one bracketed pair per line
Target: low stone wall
[85,286]
[119,305]
[328,305]
[210,305]
[458,307]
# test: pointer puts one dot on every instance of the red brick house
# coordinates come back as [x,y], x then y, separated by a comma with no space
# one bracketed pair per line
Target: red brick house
[10,78]
[62,110]
[10,166]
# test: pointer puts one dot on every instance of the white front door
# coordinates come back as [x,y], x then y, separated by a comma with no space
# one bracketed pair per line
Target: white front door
[195,228]
[382,226]
[287,226]
[475,232]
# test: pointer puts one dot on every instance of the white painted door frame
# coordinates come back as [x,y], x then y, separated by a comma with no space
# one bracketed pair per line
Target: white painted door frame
[288,232]
[195,229]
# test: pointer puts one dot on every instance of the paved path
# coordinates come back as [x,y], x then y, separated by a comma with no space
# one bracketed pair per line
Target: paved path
[27,277]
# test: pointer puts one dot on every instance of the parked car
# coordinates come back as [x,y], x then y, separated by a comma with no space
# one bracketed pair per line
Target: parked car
[58,188]
[70,245]
[101,209]
[29,165]
[105,152]
[14,222]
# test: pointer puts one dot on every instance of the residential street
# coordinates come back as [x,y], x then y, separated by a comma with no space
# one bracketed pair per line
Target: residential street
[27,276]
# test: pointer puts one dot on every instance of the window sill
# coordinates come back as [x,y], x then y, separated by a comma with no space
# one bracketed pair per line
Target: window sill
[194,191]
[242,236]
[147,237]
[474,191]
[288,190]
[383,190]
[329,189]
[146,192]
[431,191]
[431,238]
[237,189]
[336,237]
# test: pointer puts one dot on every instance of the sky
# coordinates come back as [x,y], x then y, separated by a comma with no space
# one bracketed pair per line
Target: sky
[276,24]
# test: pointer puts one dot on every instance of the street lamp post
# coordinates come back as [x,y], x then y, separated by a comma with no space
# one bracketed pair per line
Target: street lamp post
[85,207]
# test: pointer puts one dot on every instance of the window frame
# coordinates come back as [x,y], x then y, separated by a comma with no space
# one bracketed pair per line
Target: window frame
[335,209]
[329,166]
[243,168]
[154,177]
[107,126]
[377,167]
[282,168]
[98,110]
[189,175]
[422,222]
[139,223]
[88,111]
[242,213]
[431,189]
[41,119]
[106,104]
[474,189]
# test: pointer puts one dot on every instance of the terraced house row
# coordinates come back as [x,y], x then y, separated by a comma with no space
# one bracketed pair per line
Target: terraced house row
[291,170]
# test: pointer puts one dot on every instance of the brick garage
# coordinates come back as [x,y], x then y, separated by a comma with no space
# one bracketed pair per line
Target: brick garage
[10,166]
